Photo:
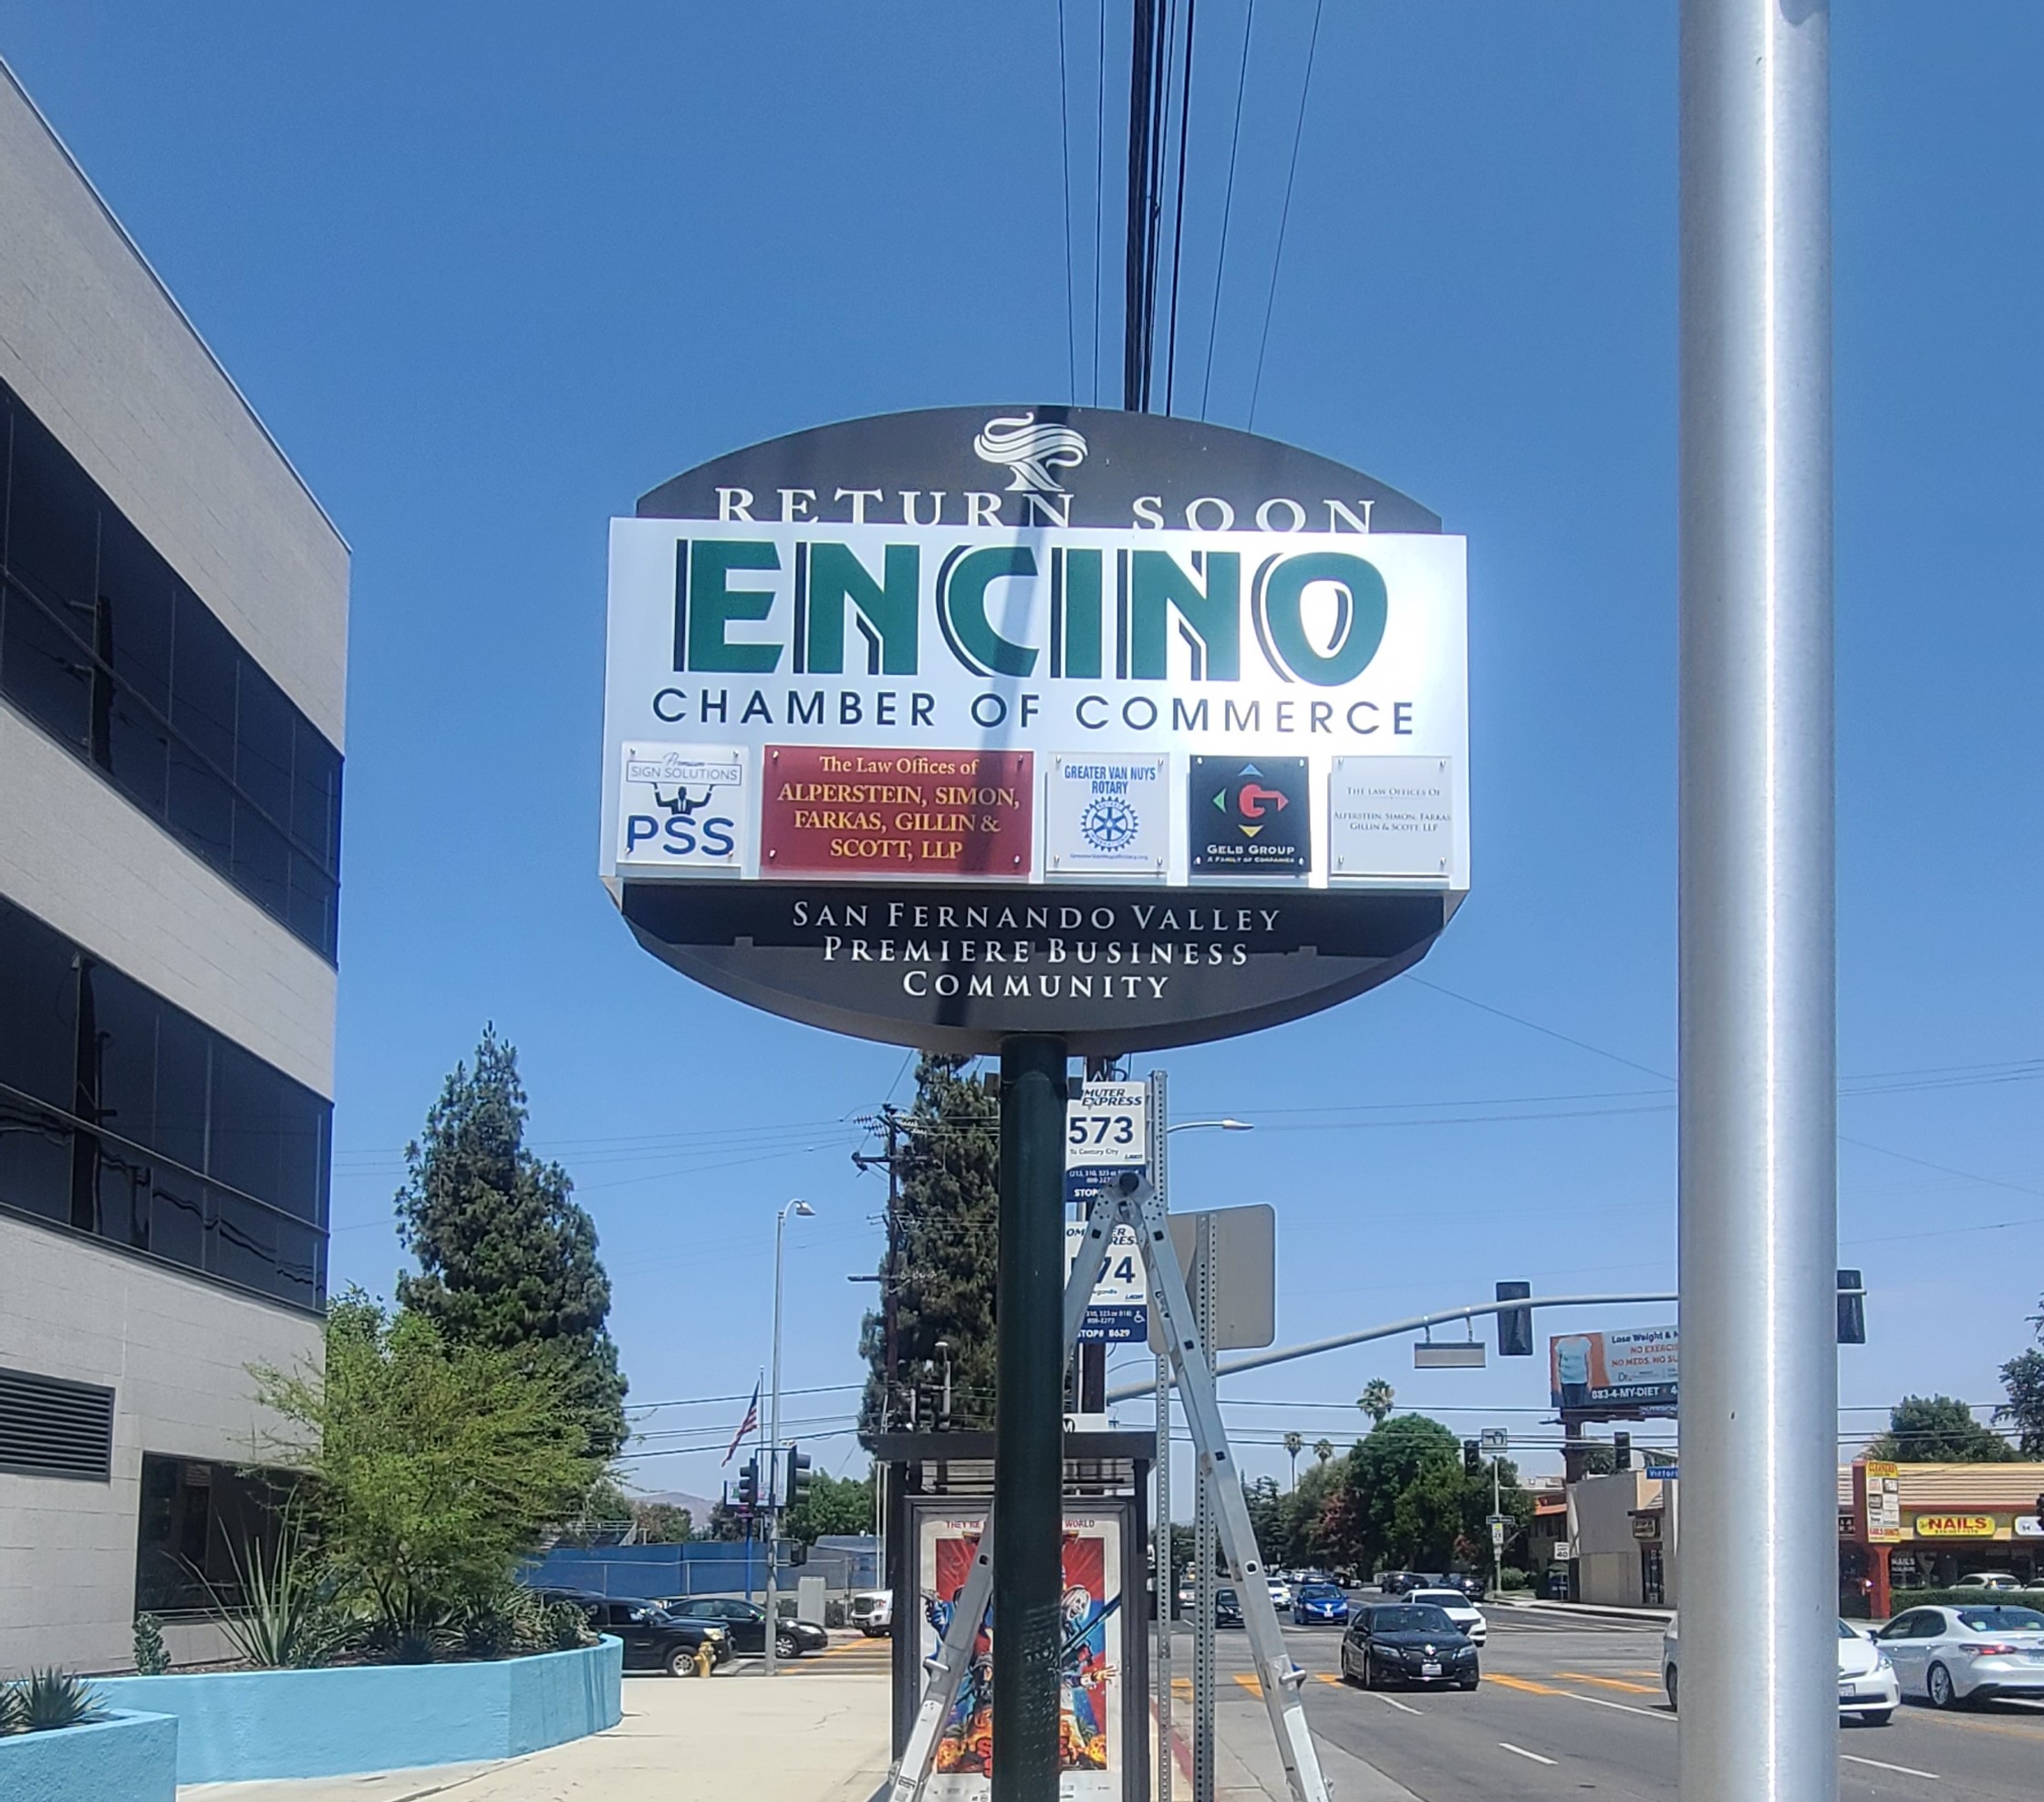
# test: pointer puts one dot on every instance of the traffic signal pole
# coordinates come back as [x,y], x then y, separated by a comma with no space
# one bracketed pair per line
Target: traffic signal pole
[1758,1179]
[1030,1352]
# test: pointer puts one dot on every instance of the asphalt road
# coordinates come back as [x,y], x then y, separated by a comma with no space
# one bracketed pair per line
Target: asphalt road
[1567,1706]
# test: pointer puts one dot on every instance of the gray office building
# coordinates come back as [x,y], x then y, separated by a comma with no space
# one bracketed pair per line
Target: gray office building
[173,620]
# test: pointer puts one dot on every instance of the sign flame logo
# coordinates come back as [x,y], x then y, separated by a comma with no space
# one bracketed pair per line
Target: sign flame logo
[1030,452]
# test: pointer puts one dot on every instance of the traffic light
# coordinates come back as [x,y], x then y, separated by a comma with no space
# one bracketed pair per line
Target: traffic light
[749,1486]
[1515,1325]
[799,1478]
[1472,1457]
[1852,1309]
[1621,1450]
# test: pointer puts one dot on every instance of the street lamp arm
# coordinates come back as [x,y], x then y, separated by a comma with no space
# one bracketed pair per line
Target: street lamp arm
[1284,1354]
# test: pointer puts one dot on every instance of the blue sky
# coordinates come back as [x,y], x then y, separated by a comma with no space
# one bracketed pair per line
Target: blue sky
[490,273]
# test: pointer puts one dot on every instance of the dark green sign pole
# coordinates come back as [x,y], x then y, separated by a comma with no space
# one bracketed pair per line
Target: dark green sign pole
[1029,1420]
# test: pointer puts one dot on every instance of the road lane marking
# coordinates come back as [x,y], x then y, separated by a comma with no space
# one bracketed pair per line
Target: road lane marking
[1900,1770]
[1403,1708]
[1622,1707]
[1611,1682]
[1327,1676]
[1253,1685]
[1525,1684]
[1523,1753]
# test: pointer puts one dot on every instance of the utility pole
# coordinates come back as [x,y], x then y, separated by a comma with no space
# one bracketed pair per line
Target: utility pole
[772,1494]
[1756,886]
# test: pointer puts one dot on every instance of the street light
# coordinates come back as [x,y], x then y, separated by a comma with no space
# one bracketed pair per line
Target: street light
[802,1210]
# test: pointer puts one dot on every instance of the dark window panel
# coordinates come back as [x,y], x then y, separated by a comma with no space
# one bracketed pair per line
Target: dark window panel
[139,755]
[310,914]
[203,671]
[300,1275]
[39,1008]
[123,1071]
[301,1153]
[315,795]
[183,1060]
[124,1194]
[242,1246]
[262,866]
[202,809]
[34,1160]
[246,1120]
[262,751]
[177,1218]
[135,588]
[53,524]
[44,671]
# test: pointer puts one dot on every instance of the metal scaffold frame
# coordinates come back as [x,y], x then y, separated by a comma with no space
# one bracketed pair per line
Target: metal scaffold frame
[1136,1204]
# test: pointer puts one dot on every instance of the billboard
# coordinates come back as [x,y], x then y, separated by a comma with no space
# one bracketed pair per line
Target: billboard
[1091,1693]
[1619,1374]
[938,727]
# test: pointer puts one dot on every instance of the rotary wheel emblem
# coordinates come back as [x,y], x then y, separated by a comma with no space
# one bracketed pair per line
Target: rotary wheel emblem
[1109,823]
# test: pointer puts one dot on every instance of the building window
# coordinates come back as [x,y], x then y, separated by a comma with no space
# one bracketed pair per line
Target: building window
[105,649]
[201,1526]
[124,1117]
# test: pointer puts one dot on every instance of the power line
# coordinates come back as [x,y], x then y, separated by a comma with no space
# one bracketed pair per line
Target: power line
[1284,215]
[1177,226]
[1226,209]
[1099,183]
[1064,148]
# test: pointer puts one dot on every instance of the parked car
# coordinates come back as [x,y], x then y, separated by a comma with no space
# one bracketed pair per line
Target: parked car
[1227,1608]
[1988,1580]
[654,1640]
[1395,1582]
[872,1612]
[1867,1689]
[1318,1605]
[1404,1642]
[1951,1656]
[745,1621]
[1282,1593]
[1458,1609]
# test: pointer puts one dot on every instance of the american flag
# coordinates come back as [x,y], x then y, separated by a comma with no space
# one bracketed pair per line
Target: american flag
[744,1426]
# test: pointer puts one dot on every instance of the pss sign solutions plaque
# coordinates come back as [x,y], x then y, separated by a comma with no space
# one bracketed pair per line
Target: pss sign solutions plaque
[939,727]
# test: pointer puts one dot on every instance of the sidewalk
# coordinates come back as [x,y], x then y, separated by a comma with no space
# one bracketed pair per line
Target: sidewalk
[1247,1767]
[817,1737]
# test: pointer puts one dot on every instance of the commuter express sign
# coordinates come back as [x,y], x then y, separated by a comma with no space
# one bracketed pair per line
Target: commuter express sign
[941,726]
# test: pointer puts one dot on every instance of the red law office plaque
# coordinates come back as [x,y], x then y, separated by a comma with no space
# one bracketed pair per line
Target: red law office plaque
[830,812]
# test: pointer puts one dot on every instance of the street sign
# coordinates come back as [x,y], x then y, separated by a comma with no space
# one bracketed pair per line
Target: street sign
[947,725]
[1107,1133]
[1447,1355]
[1494,1442]
[1245,1273]
[1662,1473]
[1498,1535]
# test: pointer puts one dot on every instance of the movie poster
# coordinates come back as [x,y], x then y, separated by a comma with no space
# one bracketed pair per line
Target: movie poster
[1090,1677]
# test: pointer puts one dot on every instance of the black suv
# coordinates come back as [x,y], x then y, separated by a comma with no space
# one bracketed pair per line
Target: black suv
[745,1621]
[654,1638]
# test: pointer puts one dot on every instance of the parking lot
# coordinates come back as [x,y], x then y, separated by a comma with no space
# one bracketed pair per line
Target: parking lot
[1569,1705]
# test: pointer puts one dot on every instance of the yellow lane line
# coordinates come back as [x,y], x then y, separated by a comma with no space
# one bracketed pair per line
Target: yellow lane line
[1611,1682]
[1253,1685]
[1327,1677]
[1527,1685]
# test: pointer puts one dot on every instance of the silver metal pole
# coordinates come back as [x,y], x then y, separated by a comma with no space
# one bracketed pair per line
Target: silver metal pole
[771,1477]
[1204,1582]
[1757,1154]
[1166,1585]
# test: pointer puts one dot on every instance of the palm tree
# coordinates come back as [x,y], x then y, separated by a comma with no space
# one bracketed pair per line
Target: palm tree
[1323,1449]
[1294,1444]
[1376,1400]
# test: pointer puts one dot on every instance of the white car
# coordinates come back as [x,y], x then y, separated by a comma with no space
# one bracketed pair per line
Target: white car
[1967,1653]
[1867,1685]
[1458,1609]
[1988,1580]
[872,1612]
[1281,1596]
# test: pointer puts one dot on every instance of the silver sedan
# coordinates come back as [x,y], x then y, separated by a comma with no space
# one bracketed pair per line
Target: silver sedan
[1955,1655]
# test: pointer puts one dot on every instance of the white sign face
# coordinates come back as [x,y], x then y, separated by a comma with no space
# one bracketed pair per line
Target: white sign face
[1107,816]
[1108,1127]
[1256,662]
[1118,1313]
[683,807]
[1494,1442]
[1392,816]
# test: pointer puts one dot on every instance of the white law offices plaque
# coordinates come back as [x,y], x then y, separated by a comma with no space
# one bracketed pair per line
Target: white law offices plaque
[1391,817]
[1107,815]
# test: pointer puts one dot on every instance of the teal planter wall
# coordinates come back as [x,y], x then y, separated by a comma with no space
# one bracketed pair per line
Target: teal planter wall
[236,1724]
[129,1756]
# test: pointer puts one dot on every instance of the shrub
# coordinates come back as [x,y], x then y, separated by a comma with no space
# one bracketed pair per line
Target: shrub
[562,1627]
[1516,1579]
[45,1701]
[292,1616]
[1903,1599]
[152,1657]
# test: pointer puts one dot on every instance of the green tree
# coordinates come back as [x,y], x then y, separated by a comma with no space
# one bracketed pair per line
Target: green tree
[834,1504]
[1938,1429]
[1294,1443]
[1376,1400]
[663,1524]
[506,1258]
[1405,1499]
[2023,1377]
[435,1465]
[946,1245]
[1270,1518]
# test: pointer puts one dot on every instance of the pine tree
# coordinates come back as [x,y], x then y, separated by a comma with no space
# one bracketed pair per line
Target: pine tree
[946,1245]
[506,1258]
